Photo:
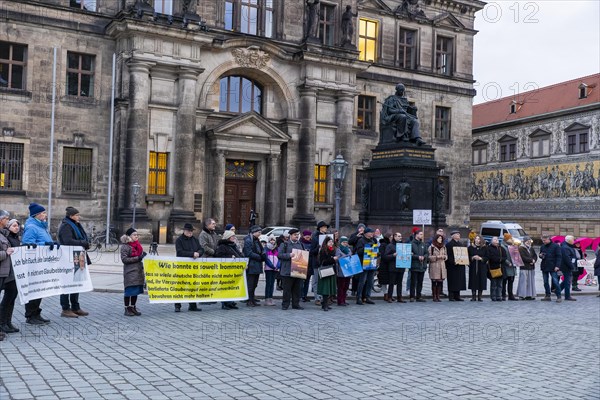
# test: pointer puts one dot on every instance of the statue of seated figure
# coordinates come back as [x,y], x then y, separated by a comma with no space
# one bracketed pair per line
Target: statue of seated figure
[398,119]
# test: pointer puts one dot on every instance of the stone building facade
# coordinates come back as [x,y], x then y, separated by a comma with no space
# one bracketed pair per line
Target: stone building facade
[222,107]
[536,159]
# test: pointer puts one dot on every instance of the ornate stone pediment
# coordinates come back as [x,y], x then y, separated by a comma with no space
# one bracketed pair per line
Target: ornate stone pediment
[448,20]
[252,57]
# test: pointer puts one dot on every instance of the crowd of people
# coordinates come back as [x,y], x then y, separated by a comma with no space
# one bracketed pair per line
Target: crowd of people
[274,256]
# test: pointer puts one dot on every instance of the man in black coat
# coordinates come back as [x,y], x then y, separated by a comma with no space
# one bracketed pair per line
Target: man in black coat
[313,257]
[551,260]
[568,265]
[187,245]
[457,280]
[365,279]
[71,233]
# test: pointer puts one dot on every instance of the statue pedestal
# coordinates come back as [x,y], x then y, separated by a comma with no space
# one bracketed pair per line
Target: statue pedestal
[402,177]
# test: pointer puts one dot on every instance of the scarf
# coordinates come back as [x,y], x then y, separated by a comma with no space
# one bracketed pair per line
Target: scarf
[79,234]
[438,245]
[136,249]
[344,249]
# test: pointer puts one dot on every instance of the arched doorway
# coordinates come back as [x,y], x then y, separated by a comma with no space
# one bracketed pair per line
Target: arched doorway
[240,192]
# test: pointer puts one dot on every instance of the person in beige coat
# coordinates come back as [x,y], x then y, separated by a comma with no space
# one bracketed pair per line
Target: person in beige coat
[437,265]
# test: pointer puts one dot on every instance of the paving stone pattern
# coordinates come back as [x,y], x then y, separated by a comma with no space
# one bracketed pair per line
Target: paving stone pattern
[508,350]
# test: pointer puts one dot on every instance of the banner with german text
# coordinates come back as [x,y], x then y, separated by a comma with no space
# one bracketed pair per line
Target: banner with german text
[182,279]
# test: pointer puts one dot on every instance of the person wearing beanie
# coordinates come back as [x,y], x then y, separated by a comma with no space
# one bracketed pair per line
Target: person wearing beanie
[187,245]
[227,248]
[365,278]
[8,283]
[71,233]
[551,257]
[292,286]
[230,227]
[36,232]
[256,255]
[132,255]
[343,283]
[509,270]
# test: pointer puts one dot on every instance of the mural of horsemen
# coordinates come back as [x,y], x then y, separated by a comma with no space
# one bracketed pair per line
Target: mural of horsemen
[538,182]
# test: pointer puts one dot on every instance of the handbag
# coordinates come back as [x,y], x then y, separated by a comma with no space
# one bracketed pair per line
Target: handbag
[496,273]
[326,270]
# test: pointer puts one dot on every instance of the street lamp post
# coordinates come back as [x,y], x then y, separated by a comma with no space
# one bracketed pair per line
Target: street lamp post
[339,166]
[136,191]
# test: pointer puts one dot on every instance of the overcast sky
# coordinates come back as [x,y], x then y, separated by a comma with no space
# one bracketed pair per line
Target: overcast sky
[522,45]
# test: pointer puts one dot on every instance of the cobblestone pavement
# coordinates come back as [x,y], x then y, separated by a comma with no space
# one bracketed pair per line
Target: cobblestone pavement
[508,350]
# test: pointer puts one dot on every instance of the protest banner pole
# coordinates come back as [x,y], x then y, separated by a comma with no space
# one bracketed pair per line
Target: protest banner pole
[52,139]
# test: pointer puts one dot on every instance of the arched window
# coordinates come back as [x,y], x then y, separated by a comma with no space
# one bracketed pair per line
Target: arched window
[240,95]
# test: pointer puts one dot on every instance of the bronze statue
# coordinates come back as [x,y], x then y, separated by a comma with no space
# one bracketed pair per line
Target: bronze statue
[399,119]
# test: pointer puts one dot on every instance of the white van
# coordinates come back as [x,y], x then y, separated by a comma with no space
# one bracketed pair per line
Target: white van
[489,229]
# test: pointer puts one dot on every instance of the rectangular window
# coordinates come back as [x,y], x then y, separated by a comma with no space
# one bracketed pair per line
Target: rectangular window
[12,65]
[408,49]
[366,112]
[80,74]
[361,177]
[88,5]
[367,40]
[540,147]
[163,6]
[442,123]
[508,151]
[327,24]
[158,172]
[444,55]
[253,17]
[77,170]
[320,183]
[11,166]
[479,155]
[577,143]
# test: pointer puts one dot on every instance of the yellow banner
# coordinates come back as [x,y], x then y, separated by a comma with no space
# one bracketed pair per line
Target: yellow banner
[180,280]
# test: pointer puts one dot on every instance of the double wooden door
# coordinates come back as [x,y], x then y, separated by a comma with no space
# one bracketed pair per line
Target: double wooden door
[240,195]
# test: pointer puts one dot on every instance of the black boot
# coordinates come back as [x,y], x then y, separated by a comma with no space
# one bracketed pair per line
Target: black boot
[473,296]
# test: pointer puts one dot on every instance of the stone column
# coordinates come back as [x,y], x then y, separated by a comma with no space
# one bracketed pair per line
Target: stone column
[272,192]
[136,143]
[344,141]
[305,194]
[218,185]
[183,202]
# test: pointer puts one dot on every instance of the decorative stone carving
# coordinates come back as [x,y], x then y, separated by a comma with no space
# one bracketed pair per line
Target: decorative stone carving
[252,57]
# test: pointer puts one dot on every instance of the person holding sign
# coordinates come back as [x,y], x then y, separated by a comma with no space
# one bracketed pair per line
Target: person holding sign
[132,255]
[327,282]
[71,233]
[343,283]
[7,278]
[8,283]
[388,260]
[227,248]
[187,245]
[313,261]
[36,233]
[478,267]
[365,280]
[437,265]
[455,267]
[418,267]
[291,286]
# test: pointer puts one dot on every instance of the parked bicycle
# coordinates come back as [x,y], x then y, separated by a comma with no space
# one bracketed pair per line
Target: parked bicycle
[98,240]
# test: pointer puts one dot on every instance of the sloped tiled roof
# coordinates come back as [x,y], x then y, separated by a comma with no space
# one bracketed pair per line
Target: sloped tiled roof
[553,98]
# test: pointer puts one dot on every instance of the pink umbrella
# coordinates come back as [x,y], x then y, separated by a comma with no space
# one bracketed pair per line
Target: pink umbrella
[558,239]
[595,243]
[585,242]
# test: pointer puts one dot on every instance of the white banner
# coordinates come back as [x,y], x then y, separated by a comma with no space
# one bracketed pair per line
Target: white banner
[421,217]
[42,272]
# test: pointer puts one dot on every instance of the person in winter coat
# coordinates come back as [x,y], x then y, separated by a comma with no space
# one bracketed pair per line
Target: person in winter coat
[313,259]
[577,273]
[383,274]
[305,240]
[365,280]
[227,248]
[327,285]
[550,266]
[255,252]
[36,233]
[456,273]
[418,266]
[292,286]
[132,255]
[437,265]
[597,266]
[396,275]
[568,265]
[509,270]
[496,257]
[7,276]
[8,283]
[270,272]
[526,288]
[343,283]
[187,245]
[478,267]
[71,233]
